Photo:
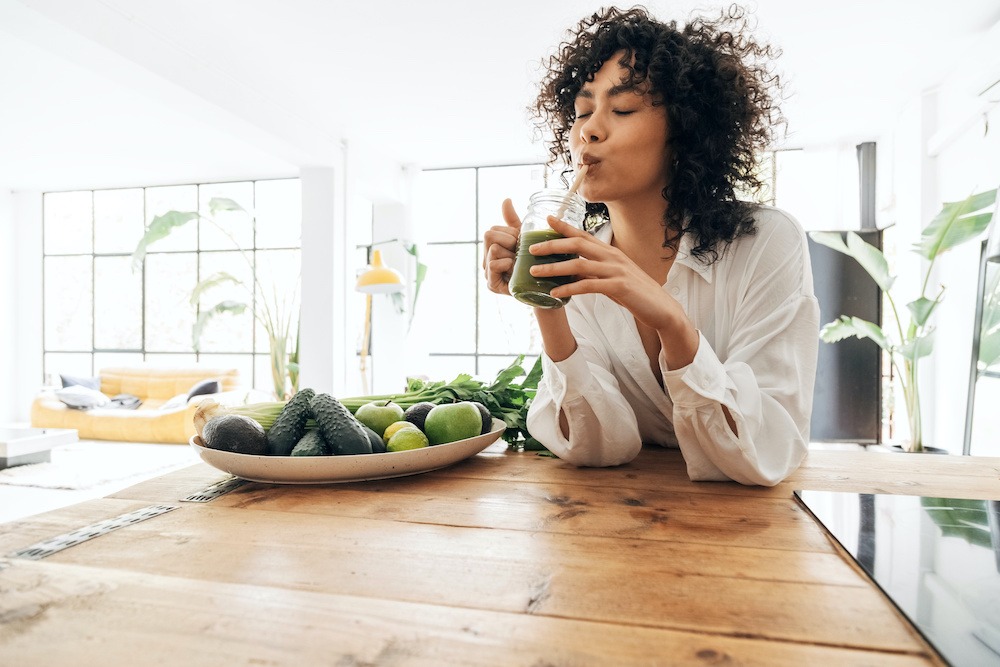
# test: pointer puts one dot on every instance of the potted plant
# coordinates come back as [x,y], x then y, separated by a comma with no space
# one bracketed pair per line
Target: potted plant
[278,314]
[908,342]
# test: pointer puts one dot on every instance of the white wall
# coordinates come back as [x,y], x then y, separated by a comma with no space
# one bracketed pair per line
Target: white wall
[970,163]
[7,295]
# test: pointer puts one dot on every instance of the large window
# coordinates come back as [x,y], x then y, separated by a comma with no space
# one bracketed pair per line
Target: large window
[469,329]
[473,330]
[99,312]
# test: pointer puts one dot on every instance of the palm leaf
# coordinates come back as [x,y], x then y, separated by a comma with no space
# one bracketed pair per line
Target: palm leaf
[160,228]
[921,309]
[845,327]
[918,347]
[956,223]
[868,256]
[210,282]
[205,316]
[989,349]
[218,204]
[418,279]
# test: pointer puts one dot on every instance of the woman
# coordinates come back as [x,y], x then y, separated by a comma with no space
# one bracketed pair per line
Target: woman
[693,321]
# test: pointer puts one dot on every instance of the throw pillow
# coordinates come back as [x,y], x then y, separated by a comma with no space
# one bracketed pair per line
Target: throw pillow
[125,402]
[81,398]
[73,380]
[178,401]
[204,387]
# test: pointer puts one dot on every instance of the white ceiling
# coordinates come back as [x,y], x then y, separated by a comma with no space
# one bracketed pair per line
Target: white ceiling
[97,93]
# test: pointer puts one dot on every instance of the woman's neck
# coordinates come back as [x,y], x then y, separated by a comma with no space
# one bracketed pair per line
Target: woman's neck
[638,232]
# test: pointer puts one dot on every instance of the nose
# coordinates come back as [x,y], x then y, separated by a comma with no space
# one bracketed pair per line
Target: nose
[592,129]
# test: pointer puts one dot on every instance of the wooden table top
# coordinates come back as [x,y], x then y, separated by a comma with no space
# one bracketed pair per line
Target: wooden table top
[503,559]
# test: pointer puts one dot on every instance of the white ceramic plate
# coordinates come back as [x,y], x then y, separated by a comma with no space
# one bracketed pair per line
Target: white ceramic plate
[351,468]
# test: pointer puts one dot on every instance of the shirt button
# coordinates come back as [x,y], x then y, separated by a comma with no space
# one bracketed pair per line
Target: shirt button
[675,290]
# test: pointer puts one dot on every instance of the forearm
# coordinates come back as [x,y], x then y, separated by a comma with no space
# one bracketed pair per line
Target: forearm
[557,337]
[678,339]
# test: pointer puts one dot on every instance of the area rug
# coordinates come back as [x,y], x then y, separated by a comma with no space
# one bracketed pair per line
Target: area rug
[87,464]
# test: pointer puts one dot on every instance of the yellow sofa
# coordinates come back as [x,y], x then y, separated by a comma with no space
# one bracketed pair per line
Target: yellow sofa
[148,423]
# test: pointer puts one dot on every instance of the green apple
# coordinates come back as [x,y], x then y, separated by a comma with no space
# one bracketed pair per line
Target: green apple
[377,415]
[449,422]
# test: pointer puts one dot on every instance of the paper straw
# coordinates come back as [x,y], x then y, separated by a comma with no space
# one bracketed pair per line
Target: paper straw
[572,191]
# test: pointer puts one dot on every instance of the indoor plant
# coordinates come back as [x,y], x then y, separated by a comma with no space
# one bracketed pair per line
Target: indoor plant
[956,223]
[278,314]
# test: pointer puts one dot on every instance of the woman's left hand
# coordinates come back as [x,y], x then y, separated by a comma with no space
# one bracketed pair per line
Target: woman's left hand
[603,269]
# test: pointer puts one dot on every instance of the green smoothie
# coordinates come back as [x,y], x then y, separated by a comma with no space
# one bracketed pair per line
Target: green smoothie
[530,289]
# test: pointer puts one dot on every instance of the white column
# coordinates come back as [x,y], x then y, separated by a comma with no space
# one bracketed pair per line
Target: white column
[321,339]
[26,219]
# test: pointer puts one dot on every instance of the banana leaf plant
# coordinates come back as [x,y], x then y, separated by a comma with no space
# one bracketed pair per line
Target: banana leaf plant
[989,336]
[910,341]
[277,314]
[418,280]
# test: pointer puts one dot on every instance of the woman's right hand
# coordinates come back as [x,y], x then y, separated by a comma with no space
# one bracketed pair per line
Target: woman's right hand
[500,242]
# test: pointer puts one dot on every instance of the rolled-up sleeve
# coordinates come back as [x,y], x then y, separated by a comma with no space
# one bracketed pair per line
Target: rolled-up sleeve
[766,381]
[582,389]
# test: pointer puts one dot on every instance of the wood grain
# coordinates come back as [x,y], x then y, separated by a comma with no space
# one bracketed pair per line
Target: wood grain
[506,558]
[48,612]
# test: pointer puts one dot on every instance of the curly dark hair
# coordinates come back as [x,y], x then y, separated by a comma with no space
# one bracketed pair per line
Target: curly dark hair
[721,97]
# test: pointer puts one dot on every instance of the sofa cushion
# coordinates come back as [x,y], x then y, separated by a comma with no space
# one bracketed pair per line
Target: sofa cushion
[82,398]
[163,383]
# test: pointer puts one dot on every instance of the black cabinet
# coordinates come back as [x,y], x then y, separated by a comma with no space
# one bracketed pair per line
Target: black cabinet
[847,404]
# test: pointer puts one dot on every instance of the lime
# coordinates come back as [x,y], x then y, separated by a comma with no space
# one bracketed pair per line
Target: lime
[391,429]
[449,422]
[407,438]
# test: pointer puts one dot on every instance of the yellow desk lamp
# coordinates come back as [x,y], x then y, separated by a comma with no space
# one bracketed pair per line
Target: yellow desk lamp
[377,278]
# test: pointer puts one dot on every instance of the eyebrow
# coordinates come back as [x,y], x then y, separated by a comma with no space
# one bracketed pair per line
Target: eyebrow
[612,91]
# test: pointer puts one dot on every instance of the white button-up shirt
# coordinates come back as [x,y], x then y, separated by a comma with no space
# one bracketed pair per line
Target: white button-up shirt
[758,323]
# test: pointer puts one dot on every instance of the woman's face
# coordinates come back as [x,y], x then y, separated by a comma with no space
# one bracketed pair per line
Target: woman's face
[621,136]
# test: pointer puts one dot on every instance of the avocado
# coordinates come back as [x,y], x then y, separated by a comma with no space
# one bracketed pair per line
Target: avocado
[344,433]
[416,414]
[290,425]
[378,444]
[235,433]
[487,417]
[311,444]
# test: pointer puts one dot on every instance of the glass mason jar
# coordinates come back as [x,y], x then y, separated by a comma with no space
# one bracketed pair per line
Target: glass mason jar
[533,290]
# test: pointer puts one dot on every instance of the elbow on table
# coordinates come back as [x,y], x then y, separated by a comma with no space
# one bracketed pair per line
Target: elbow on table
[597,454]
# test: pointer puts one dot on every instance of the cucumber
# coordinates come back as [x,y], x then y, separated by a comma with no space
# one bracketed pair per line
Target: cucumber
[378,444]
[290,425]
[311,444]
[344,433]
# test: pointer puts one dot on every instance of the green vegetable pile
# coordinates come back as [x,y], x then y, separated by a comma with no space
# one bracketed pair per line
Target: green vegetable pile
[504,398]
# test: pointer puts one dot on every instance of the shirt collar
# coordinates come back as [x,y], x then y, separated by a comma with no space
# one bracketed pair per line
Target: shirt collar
[684,256]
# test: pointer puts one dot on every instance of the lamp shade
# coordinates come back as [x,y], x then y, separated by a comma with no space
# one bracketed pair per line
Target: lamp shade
[377,278]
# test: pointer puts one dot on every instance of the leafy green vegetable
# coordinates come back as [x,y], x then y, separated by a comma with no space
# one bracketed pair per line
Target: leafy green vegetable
[504,398]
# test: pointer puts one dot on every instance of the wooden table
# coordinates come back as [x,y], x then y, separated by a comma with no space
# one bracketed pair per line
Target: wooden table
[503,559]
